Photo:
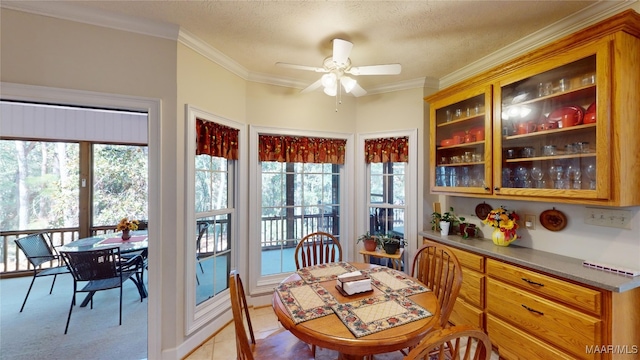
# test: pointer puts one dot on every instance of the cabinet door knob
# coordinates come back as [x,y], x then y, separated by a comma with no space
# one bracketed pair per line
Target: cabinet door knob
[532,282]
[532,310]
[496,188]
[486,188]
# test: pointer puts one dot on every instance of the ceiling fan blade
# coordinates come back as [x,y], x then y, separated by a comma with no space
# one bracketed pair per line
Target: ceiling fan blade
[301,67]
[388,69]
[358,91]
[312,87]
[341,51]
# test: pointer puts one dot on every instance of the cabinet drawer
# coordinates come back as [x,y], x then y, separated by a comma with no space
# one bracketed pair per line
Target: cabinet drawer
[469,260]
[464,313]
[574,295]
[472,289]
[564,327]
[514,344]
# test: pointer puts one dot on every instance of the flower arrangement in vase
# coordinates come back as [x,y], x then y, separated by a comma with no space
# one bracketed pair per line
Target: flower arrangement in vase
[125,225]
[505,224]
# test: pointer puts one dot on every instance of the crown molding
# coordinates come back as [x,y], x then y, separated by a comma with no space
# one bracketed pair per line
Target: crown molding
[71,12]
[580,20]
[195,43]
[68,11]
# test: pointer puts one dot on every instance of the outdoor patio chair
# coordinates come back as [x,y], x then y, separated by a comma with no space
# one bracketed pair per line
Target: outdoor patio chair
[456,342]
[279,345]
[39,250]
[317,248]
[96,270]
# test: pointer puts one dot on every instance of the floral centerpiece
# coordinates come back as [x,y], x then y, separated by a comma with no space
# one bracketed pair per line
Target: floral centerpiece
[125,225]
[505,224]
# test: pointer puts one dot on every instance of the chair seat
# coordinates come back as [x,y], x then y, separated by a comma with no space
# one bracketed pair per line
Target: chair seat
[103,284]
[58,270]
[282,345]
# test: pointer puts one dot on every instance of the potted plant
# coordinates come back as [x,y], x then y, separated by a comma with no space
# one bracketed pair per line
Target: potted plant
[371,242]
[391,244]
[445,222]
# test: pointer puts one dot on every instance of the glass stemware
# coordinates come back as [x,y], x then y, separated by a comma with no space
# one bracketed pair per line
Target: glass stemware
[591,174]
[537,174]
[522,174]
[574,173]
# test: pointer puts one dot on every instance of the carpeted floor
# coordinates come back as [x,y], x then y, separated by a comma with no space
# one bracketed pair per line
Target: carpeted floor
[38,332]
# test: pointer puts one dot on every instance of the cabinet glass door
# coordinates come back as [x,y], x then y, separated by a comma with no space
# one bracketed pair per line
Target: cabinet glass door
[548,133]
[460,134]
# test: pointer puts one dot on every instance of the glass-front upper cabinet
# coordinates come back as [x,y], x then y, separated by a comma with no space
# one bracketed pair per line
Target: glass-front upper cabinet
[460,137]
[551,131]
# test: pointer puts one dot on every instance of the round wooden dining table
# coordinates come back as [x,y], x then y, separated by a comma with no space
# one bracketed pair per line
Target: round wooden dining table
[330,332]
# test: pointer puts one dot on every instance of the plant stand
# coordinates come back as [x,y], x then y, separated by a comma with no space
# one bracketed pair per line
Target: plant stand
[396,259]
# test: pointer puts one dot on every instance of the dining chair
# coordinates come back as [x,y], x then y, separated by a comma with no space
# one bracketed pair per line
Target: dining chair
[39,250]
[438,268]
[317,248]
[279,345]
[463,341]
[96,270]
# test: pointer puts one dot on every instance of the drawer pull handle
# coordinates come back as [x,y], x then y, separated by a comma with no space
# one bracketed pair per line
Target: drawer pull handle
[532,310]
[532,282]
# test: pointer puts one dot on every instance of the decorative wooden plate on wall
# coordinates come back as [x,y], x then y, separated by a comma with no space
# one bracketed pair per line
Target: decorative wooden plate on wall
[553,220]
[483,210]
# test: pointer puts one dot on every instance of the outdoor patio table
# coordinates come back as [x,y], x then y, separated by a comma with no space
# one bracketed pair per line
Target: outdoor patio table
[138,242]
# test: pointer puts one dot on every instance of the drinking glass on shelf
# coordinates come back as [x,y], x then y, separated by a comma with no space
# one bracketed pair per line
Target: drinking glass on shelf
[591,174]
[537,174]
[522,174]
[574,173]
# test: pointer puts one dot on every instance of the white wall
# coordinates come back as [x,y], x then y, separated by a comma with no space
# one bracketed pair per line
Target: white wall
[43,51]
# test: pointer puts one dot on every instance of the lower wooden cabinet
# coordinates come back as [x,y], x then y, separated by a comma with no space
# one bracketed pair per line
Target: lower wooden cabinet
[532,315]
[569,330]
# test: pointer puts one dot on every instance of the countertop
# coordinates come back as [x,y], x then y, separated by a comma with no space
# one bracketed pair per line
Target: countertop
[554,264]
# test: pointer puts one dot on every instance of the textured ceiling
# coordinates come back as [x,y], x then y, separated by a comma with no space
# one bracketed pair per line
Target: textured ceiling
[430,39]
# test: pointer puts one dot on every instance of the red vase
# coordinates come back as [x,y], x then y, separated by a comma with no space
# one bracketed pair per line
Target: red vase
[126,235]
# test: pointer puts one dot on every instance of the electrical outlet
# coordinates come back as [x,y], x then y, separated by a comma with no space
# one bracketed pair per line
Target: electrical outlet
[617,218]
[530,221]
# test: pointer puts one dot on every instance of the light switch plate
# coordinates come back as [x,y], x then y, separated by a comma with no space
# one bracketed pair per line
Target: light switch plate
[530,221]
[617,218]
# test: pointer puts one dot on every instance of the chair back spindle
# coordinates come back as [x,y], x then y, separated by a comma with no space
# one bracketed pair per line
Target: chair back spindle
[438,268]
[317,248]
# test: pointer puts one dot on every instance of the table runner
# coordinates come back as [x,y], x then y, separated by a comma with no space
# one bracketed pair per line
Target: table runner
[305,301]
[373,314]
[118,240]
[325,272]
[394,282]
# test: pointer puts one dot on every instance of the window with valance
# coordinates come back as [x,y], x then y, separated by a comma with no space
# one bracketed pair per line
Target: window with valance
[295,149]
[216,140]
[384,150]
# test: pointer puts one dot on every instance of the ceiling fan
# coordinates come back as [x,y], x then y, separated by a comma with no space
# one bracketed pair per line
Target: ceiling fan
[336,69]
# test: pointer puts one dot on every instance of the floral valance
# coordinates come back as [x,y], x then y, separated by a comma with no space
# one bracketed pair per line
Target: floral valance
[216,140]
[386,150]
[301,149]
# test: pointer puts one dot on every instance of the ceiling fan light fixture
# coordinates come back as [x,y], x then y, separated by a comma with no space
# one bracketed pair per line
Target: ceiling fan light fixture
[348,83]
[329,80]
[331,90]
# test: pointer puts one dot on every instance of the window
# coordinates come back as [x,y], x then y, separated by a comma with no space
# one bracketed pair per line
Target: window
[214,182]
[387,198]
[297,199]
[120,184]
[212,163]
[39,184]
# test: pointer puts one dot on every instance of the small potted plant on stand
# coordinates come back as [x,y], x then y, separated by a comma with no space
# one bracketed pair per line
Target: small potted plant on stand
[371,242]
[391,244]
